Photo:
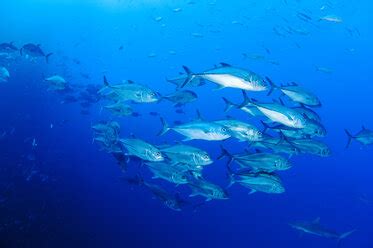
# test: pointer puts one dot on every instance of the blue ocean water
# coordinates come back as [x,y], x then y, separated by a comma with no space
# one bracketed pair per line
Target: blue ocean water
[58,189]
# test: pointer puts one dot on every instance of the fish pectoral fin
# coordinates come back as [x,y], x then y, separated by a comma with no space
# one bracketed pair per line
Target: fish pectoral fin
[252,191]
[208,199]
[219,87]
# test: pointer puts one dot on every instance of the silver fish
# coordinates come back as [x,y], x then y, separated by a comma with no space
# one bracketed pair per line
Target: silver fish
[198,129]
[142,150]
[227,76]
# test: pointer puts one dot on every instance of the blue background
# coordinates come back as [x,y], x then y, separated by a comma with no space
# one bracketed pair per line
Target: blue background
[84,203]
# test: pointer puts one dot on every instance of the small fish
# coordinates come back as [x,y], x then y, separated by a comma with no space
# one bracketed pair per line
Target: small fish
[365,137]
[331,18]
[4,75]
[56,83]
[315,228]
[34,51]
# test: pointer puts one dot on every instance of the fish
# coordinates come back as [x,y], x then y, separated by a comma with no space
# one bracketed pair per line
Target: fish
[179,81]
[171,201]
[311,129]
[259,161]
[34,50]
[198,129]
[251,110]
[308,113]
[182,97]
[241,130]
[265,182]
[313,147]
[277,145]
[364,136]
[56,83]
[324,69]
[226,76]
[187,155]
[297,94]
[101,128]
[141,149]
[331,18]
[8,47]
[277,112]
[129,91]
[4,75]
[315,228]
[120,109]
[208,190]
[167,172]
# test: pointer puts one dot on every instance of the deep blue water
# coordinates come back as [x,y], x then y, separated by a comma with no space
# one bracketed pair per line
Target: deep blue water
[76,198]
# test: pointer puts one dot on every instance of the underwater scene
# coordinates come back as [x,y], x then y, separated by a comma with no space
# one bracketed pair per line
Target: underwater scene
[186,123]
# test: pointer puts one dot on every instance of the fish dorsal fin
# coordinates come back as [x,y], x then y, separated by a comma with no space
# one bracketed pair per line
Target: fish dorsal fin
[363,128]
[258,151]
[38,45]
[229,117]
[130,81]
[106,83]
[316,221]
[199,116]
[132,135]
[225,64]
[293,84]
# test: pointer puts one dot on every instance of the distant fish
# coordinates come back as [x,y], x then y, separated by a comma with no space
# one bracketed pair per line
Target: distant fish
[197,35]
[331,18]
[365,137]
[181,97]
[34,51]
[56,82]
[315,228]
[176,10]
[4,75]
[158,18]
[324,69]
[8,48]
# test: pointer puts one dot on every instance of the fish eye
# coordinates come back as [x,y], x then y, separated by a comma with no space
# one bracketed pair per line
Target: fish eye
[224,129]
[205,157]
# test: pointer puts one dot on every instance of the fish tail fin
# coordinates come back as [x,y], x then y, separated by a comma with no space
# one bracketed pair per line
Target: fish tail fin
[246,100]
[228,105]
[165,127]
[266,126]
[225,153]
[344,235]
[106,82]
[272,86]
[350,138]
[189,78]
[21,51]
[47,57]
[136,180]
[230,175]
